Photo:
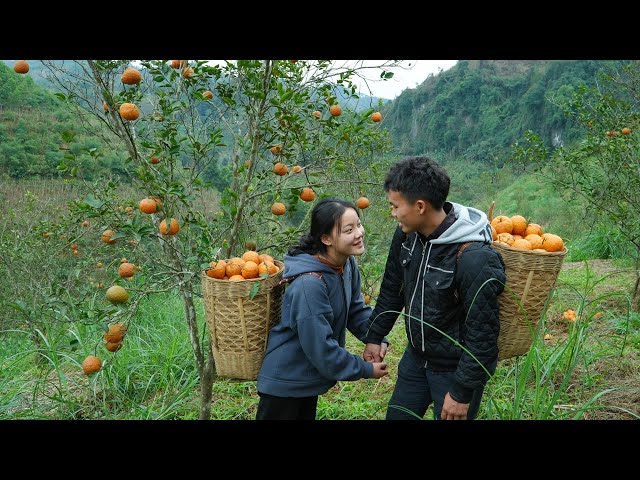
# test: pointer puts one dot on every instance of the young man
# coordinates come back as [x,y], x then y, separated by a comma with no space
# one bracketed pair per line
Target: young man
[448,288]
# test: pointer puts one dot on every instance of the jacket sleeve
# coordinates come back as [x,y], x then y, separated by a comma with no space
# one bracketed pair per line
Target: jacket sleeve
[311,319]
[390,301]
[481,279]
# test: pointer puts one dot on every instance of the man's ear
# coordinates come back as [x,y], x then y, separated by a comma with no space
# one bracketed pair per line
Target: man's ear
[422,206]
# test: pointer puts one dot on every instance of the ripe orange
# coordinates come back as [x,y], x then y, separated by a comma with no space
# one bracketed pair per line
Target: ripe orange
[265,257]
[116,332]
[46,235]
[522,244]
[552,243]
[187,72]
[367,298]
[317,114]
[75,252]
[174,227]
[91,364]
[123,260]
[113,346]
[251,256]
[105,106]
[519,225]
[129,111]
[278,208]
[362,202]
[86,223]
[218,270]
[297,168]
[73,246]
[177,63]
[626,131]
[208,95]
[233,269]
[502,224]
[307,195]
[236,277]
[276,149]
[131,76]
[535,240]
[106,237]
[250,270]
[21,66]
[117,294]
[533,228]
[376,116]
[335,110]
[155,160]
[280,169]
[148,205]
[126,269]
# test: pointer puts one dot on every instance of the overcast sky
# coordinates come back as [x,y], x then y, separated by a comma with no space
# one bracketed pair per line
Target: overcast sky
[409,78]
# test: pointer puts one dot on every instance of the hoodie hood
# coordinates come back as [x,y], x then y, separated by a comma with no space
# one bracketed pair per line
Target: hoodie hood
[303,263]
[471,225]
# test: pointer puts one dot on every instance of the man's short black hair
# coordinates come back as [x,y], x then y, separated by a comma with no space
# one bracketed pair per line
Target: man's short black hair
[419,178]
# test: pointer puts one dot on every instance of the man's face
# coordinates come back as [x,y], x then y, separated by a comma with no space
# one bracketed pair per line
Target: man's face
[406,213]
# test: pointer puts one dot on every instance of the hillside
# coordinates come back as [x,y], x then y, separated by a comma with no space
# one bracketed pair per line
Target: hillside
[478,108]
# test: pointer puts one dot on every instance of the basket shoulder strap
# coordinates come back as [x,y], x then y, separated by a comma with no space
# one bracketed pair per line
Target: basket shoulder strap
[291,279]
[461,249]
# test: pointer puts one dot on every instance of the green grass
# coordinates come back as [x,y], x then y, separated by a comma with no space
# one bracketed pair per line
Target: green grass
[587,369]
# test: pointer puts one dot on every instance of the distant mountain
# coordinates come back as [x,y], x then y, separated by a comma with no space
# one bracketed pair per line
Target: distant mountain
[478,108]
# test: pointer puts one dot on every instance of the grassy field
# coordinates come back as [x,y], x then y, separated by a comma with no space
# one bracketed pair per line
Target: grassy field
[587,369]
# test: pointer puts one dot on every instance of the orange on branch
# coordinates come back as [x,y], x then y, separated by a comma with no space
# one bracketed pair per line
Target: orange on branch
[131,76]
[148,205]
[280,169]
[335,110]
[91,364]
[376,116]
[278,208]
[307,194]
[106,237]
[126,269]
[129,111]
[171,229]
[362,202]
[21,66]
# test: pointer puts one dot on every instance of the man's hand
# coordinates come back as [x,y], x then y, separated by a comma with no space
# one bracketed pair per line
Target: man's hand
[372,352]
[452,410]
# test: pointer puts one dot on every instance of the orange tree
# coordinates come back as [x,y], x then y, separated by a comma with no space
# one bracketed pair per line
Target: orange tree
[260,130]
[603,167]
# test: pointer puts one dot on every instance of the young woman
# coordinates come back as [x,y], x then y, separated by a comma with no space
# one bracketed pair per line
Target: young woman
[306,353]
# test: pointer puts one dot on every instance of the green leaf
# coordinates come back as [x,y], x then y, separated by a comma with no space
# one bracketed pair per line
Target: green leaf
[61,96]
[67,136]
[254,290]
[93,202]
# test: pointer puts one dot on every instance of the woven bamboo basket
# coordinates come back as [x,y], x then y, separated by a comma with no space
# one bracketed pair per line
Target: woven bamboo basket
[238,325]
[531,277]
